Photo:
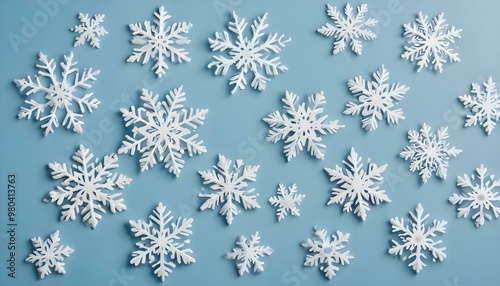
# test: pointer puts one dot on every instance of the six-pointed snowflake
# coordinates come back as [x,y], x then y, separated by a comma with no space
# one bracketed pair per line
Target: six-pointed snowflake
[248,54]
[429,152]
[59,95]
[160,42]
[89,30]
[304,126]
[376,99]
[430,42]
[248,253]
[162,245]
[286,201]
[163,130]
[417,239]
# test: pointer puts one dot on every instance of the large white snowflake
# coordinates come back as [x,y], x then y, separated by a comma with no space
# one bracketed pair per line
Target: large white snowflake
[376,99]
[59,95]
[160,42]
[163,130]
[304,126]
[248,253]
[481,199]
[287,201]
[49,254]
[163,242]
[248,54]
[88,186]
[229,184]
[430,42]
[418,239]
[89,30]
[429,152]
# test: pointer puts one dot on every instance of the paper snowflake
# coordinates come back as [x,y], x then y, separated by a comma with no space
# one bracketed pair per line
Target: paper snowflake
[160,42]
[163,242]
[48,254]
[303,126]
[229,184]
[89,30]
[248,253]
[481,199]
[430,42]
[59,95]
[88,186]
[163,130]
[349,30]
[286,201]
[254,55]
[418,239]
[376,99]
[327,253]
[429,152]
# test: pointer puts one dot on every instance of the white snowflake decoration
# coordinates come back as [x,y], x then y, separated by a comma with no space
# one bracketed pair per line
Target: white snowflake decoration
[89,30]
[349,30]
[162,245]
[160,42]
[304,126]
[88,186]
[48,254]
[481,199]
[248,253]
[163,130]
[229,184]
[59,95]
[248,54]
[376,99]
[430,42]
[287,201]
[429,152]
[418,239]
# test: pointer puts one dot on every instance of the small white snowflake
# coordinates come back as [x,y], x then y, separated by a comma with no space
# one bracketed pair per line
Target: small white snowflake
[59,95]
[49,254]
[248,54]
[160,42]
[163,130]
[89,30]
[159,241]
[418,239]
[430,41]
[286,201]
[248,253]
[429,152]
[376,99]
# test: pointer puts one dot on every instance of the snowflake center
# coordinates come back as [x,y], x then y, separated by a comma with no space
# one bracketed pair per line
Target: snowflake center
[61,96]
[481,197]
[305,123]
[327,250]
[433,42]
[161,41]
[419,238]
[246,54]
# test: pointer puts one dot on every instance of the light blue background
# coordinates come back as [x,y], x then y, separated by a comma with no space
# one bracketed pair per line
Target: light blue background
[234,128]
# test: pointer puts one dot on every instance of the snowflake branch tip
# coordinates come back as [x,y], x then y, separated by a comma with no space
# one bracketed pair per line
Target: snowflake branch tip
[248,253]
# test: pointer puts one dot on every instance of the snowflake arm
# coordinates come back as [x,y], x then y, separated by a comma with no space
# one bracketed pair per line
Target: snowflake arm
[89,30]
[286,201]
[248,253]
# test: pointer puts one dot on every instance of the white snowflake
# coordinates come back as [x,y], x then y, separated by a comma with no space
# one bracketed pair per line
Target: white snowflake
[286,201]
[163,130]
[229,184]
[248,54]
[481,199]
[49,254]
[88,186]
[376,99]
[327,252]
[159,241]
[430,41]
[160,42]
[59,95]
[429,152]
[248,253]
[89,30]
[350,29]
[418,239]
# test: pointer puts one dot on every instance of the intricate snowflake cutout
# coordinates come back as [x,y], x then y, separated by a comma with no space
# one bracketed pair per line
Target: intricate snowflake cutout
[248,253]
[163,130]
[248,54]
[327,252]
[89,30]
[303,126]
[159,240]
[59,95]
[49,254]
[376,99]
[429,152]
[350,29]
[418,239]
[286,201]
[88,187]
[430,42]
[160,42]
